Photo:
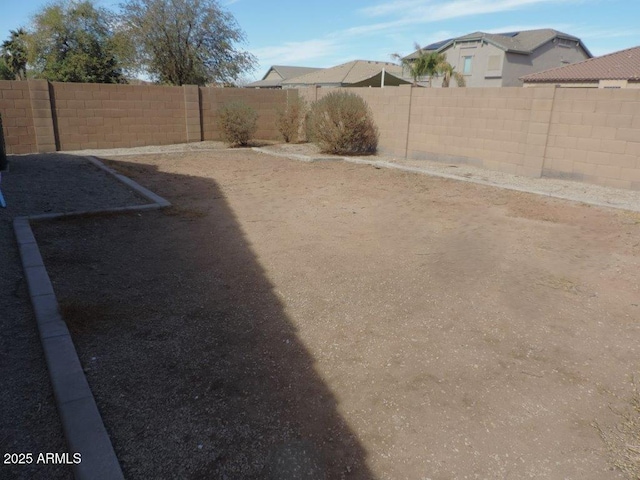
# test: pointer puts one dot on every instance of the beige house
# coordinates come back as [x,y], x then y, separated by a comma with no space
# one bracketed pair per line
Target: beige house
[278,73]
[357,73]
[615,70]
[501,59]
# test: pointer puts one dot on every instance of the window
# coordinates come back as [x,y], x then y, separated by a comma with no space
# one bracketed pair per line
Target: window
[466,68]
[563,42]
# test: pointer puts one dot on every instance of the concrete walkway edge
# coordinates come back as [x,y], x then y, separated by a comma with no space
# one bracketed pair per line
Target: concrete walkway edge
[82,423]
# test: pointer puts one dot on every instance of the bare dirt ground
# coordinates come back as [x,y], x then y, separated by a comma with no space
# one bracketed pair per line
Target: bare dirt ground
[330,320]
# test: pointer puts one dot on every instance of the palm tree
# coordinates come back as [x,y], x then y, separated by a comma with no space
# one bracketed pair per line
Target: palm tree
[14,52]
[448,71]
[427,62]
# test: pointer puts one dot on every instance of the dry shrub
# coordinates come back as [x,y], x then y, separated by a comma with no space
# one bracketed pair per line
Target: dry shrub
[342,123]
[289,119]
[238,122]
[623,441]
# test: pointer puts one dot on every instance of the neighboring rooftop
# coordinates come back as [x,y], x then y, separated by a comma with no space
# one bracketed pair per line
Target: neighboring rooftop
[356,72]
[524,42]
[278,73]
[622,65]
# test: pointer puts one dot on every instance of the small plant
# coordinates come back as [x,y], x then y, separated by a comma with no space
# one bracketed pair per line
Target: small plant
[289,120]
[238,122]
[342,123]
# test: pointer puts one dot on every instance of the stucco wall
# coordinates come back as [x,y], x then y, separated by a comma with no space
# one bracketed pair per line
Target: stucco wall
[549,55]
[480,53]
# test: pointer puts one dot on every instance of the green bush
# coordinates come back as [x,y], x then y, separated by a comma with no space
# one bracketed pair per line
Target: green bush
[3,152]
[238,122]
[289,119]
[342,123]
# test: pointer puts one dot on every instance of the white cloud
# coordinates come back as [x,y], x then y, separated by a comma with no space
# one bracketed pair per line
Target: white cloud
[296,52]
[418,11]
[600,33]
[561,27]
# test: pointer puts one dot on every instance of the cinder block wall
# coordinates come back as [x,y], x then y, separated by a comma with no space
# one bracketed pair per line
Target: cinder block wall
[488,127]
[590,135]
[265,102]
[390,109]
[594,137]
[17,118]
[107,116]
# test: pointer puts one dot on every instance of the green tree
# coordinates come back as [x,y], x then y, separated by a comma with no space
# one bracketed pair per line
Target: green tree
[424,63]
[14,55]
[5,73]
[186,41]
[74,42]
[448,72]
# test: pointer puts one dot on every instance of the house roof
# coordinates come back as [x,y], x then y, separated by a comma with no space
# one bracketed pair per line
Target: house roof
[622,65]
[524,42]
[287,72]
[284,72]
[348,73]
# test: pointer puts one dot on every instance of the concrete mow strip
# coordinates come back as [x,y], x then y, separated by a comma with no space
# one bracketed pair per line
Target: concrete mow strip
[131,184]
[30,255]
[81,421]
[82,425]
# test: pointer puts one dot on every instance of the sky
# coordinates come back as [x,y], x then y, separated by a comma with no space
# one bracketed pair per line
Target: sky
[327,33]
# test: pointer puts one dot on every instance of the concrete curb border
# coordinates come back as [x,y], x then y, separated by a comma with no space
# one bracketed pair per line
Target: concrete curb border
[424,171]
[82,423]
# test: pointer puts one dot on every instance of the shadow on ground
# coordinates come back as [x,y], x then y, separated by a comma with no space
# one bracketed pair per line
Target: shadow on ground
[36,184]
[195,367]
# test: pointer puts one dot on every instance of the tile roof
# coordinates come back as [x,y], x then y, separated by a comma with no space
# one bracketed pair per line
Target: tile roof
[622,65]
[524,42]
[346,73]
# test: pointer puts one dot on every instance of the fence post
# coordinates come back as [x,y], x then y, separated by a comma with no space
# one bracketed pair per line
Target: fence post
[542,104]
[3,150]
[42,116]
[192,113]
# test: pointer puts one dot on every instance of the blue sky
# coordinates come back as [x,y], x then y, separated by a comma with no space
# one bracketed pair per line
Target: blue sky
[323,34]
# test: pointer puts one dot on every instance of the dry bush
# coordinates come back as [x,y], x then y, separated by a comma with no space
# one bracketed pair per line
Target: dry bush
[342,123]
[289,119]
[623,441]
[238,122]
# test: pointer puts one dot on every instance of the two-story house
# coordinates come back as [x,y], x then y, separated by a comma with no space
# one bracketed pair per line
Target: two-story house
[501,59]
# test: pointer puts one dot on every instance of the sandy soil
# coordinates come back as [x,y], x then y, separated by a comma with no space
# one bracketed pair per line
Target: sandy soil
[330,320]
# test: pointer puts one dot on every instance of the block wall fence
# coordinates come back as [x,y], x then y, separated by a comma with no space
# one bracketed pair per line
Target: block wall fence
[589,135]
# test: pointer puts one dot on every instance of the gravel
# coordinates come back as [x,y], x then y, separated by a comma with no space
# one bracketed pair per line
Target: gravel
[36,184]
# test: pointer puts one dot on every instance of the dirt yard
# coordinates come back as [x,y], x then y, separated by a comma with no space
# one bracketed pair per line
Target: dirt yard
[330,320]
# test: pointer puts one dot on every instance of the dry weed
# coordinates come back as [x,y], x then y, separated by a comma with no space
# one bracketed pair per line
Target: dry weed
[623,440]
